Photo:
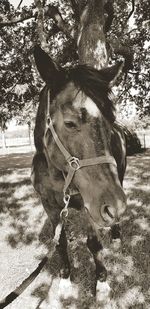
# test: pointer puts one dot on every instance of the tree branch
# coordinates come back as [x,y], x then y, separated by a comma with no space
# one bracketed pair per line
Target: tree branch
[124,51]
[75,9]
[132,30]
[12,22]
[53,12]
[122,93]
[132,11]
[18,7]
[137,73]
[81,5]
[49,11]
[40,24]
[109,11]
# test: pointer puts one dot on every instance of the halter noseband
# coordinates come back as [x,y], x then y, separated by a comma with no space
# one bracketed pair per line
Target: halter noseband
[73,162]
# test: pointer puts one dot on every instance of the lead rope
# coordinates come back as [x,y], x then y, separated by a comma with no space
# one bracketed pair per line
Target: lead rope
[55,242]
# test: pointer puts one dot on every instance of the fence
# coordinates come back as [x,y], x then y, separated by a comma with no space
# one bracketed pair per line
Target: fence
[27,144]
[10,145]
[144,137]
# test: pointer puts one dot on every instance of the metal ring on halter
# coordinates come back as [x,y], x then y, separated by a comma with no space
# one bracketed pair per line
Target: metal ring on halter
[66,199]
[74,163]
[49,120]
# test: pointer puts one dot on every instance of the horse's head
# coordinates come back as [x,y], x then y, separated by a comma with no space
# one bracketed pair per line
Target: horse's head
[82,112]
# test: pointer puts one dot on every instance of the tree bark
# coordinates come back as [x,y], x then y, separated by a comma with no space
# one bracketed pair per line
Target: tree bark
[91,38]
[29,132]
[3,140]
[40,25]
[2,125]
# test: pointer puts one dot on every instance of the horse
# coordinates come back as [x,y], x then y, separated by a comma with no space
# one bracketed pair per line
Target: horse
[80,156]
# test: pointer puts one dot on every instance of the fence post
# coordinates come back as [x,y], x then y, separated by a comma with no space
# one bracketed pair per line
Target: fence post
[144,142]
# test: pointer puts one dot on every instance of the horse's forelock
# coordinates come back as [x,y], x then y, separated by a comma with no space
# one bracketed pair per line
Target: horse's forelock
[93,85]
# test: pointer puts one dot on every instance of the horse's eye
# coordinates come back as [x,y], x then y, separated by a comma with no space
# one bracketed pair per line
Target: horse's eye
[70,124]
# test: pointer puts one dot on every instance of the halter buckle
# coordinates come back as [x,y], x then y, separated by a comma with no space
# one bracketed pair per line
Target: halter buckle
[74,163]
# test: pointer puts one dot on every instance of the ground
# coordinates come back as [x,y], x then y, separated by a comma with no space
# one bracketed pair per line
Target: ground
[25,235]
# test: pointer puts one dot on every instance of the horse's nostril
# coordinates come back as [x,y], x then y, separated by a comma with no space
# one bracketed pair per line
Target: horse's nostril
[108,213]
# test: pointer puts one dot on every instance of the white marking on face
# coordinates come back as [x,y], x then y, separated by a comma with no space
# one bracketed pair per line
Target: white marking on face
[83,101]
[91,108]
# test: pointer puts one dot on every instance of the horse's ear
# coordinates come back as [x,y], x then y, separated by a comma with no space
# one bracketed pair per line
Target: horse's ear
[111,74]
[45,65]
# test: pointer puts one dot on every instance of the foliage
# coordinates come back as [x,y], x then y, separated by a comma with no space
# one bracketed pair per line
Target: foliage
[136,85]
[19,80]
[16,77]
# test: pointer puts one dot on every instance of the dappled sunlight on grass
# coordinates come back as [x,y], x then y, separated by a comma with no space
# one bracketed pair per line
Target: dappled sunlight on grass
[22,192]
[17,202]
[125,266]
[12,161]
[14,176]
[145,187]
[136,239]
[143,224]
[26,237]
[128,266]
[131,297]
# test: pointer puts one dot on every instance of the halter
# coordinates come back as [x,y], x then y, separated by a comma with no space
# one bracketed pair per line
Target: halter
[74,163]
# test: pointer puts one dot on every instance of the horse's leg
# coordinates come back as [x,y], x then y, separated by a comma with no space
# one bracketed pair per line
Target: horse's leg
[40,180]
[95,247]
[115,231]
[62,248]
[53,212]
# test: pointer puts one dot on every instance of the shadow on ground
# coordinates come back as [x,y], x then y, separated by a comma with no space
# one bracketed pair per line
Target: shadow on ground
[17,200]
[26,237]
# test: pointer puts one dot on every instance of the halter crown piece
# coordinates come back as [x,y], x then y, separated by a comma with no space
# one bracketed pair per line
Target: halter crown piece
[73,162]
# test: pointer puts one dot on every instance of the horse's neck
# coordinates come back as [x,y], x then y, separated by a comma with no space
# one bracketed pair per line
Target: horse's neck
[40,125]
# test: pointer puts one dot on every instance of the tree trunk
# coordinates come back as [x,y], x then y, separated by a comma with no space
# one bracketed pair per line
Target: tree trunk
[40,25]
[29,132]
[91,37]
[2,125]
[3,140]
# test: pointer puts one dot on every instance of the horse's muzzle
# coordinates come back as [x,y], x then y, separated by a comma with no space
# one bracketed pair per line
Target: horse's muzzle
[106,214]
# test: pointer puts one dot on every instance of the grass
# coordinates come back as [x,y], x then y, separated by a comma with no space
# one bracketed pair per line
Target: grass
[26,234]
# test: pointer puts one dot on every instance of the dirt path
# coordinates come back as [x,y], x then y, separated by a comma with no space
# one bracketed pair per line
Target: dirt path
[24,229]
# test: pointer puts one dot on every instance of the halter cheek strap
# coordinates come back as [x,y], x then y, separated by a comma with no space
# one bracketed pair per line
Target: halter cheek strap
[73,162]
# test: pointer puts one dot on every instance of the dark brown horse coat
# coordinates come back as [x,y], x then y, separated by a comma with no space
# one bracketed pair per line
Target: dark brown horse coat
[83,114]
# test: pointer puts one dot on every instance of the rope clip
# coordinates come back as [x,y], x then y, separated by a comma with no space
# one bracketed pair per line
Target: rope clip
[64,212]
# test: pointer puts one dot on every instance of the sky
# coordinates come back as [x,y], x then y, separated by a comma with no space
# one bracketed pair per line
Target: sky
[16,2]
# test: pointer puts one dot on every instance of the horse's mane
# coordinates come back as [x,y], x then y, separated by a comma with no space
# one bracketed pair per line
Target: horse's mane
[93,84]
